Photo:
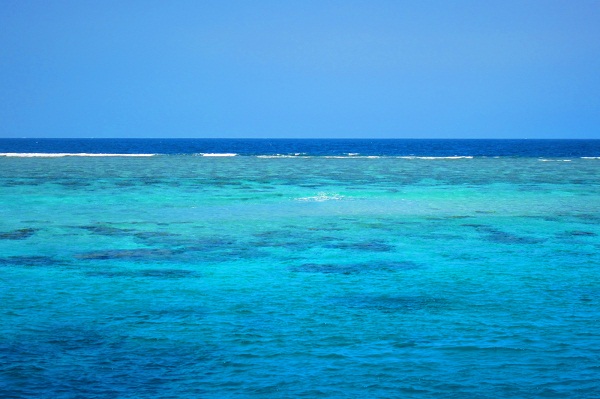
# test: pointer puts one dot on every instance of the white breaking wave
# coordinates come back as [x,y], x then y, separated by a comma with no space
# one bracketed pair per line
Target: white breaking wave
[428,158]
[590,157]
[351,156]
[66,154]
[321,197]
[283,156]
[555,160]
[211,154]
[354,155]
[294,155]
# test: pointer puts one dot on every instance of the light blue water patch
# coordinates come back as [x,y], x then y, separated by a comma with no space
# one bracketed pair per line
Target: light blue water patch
[182,276]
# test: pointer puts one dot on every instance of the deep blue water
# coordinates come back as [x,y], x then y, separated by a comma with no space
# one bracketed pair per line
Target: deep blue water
[400,272]
[489,148]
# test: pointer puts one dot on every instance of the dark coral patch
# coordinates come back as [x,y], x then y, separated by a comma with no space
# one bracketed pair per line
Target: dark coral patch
[167,274]
[30,261]
[327,268]
[105,230]
[146,235]
[501,237]
[205,251]
[159,238]
[17,183]
[129,254]
[578,233]
[74,183]
[375,246]
[476,226]
[19,234]
[354,268]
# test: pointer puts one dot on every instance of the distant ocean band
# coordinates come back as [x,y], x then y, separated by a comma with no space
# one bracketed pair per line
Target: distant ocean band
[227,155]
[295,148]
[58,155]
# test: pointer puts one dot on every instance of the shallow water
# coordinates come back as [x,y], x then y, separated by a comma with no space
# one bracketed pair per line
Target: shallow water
[183,276]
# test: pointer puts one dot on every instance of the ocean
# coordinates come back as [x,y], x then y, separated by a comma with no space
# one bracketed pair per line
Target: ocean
[299,268]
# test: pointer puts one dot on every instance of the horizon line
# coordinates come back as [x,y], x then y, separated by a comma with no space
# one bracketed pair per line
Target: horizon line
[289,138]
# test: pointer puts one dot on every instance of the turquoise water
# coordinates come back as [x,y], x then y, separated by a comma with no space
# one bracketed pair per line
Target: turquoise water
[246,277]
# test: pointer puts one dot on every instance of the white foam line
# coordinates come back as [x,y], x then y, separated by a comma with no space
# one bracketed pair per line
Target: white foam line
[590,157]
[283,156]
[363,157]
[351,157]
[67,154]
[434,158]
[210,154]
[294,155]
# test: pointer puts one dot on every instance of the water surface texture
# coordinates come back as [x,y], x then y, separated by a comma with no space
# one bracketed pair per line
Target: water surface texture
[347,274]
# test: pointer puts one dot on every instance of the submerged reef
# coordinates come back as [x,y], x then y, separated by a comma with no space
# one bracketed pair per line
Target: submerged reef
[19,234]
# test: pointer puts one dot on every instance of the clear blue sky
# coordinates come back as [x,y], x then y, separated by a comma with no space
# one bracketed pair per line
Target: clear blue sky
[388,69]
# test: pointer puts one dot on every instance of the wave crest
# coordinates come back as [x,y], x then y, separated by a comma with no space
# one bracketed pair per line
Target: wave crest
[321,197]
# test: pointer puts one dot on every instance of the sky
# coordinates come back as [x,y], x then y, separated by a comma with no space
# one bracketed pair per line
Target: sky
[300,69]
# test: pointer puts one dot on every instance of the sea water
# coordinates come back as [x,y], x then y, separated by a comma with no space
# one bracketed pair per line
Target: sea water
[316,269]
